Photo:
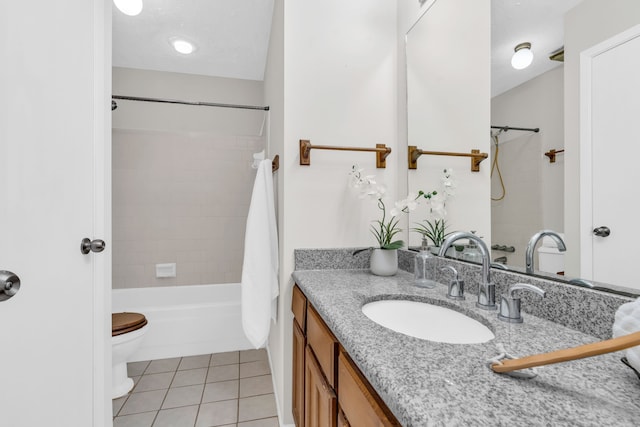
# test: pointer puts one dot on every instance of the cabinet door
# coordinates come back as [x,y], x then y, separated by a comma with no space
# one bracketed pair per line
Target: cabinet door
[323,344]
[321,403]
[298,374]
[360,403]
[299,308]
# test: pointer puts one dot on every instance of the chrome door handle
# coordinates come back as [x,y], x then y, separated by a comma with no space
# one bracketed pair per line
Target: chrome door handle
[9,284]
[96,245]
[601,231]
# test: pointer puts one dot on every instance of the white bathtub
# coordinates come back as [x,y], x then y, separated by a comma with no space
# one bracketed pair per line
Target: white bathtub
[185,320]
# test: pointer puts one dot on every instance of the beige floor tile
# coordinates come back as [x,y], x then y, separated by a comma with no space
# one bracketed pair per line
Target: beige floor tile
[253,355]
[222,390]
[254,386]
[163,365]
[254,369]
[143,402]
[257,407]
[193,362]
[153,382]
[228,358]
[116,404]
[223,373]
[135,369]
[135,420]
[217,413]
[265,422]
[190,377]
[177,417]
[183,396]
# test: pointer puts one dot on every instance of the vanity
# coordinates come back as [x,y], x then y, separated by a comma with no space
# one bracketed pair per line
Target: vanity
[401,380]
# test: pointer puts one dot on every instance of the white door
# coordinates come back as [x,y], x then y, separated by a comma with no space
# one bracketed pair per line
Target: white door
[54,86]
[613,134]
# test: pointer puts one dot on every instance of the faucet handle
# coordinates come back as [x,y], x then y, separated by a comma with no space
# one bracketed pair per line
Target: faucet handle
[456,286]
[510,305]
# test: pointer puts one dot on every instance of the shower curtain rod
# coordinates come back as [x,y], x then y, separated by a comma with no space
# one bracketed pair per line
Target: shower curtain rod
[508,128]
[175,101]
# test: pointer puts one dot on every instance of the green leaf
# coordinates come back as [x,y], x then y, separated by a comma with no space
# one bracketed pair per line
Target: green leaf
[393,245]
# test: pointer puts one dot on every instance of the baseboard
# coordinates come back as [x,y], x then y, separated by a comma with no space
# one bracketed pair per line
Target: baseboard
[275,392]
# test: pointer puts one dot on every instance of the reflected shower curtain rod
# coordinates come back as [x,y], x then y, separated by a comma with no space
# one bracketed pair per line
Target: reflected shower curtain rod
[508,128]
[176,101]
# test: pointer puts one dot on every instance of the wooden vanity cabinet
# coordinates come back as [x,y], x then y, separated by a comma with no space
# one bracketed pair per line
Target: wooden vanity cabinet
[358,401]
[328,389]
[320,400]
[299,308]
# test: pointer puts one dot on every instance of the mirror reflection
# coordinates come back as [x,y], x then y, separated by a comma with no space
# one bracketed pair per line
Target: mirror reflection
[526,167]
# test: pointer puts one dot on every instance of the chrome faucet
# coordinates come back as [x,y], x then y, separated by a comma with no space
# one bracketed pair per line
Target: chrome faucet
[534,240]
[486,289]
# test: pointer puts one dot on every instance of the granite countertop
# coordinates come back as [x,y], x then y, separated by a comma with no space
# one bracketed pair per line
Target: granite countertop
[429,383]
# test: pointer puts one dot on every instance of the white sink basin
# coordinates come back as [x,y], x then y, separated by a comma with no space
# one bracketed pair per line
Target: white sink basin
[427,321]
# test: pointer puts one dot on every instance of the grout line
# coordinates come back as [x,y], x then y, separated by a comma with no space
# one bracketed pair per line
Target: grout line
[208,367]
[238,394]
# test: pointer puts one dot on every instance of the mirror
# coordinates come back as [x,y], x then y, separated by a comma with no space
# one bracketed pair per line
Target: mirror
[533,194]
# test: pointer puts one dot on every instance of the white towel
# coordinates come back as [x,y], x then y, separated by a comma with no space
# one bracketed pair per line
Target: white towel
[260,267]
[627,321]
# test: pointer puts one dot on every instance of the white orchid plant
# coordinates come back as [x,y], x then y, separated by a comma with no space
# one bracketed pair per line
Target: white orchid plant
[385,229]
[434,228]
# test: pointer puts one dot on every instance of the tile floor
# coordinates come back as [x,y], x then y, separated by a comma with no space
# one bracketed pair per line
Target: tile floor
[221,389]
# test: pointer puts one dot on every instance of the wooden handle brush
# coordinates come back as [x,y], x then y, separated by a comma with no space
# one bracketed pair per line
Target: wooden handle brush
[574,353]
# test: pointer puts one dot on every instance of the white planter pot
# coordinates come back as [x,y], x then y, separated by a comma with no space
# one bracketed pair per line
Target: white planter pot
[384,262]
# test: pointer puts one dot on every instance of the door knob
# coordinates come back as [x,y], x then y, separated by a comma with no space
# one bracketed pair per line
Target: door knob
[9,284]
[601,231]
[96,245]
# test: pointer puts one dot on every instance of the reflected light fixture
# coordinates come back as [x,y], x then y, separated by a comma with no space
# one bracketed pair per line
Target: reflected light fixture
[129,7]
[522,57]
[182,46]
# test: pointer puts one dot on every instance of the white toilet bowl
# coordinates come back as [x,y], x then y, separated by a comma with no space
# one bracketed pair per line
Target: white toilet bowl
[127,332]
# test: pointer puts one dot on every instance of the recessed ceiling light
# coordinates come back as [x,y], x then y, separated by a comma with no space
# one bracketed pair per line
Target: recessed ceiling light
[129,7]
[183,46]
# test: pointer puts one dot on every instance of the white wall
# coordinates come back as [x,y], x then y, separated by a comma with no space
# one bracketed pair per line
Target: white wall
[340,66]
[586,25]
[534,197]
[448,107]
[182,177]
[338,61]
[187,87]
[280,336]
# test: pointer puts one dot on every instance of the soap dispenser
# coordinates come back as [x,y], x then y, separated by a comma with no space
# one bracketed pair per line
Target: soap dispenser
[425,267]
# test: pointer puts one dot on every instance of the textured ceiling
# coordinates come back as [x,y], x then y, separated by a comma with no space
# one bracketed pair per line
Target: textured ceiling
[539,22]
[231,37]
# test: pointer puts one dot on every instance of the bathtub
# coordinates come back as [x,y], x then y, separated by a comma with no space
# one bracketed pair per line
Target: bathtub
[185,320]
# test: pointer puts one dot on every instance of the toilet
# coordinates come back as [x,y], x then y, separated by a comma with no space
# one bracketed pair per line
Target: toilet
[127,331]
[550,259]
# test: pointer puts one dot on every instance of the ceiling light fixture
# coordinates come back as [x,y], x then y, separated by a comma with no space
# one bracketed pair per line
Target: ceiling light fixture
[129,7]
[183,46]
[522,57]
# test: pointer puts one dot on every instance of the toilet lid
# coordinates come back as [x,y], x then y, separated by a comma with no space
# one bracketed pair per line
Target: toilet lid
[121,323]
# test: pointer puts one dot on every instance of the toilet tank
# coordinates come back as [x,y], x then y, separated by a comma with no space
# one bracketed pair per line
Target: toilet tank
[550,259]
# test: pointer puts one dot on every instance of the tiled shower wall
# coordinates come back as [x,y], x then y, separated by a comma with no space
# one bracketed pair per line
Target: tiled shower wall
[180,197]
